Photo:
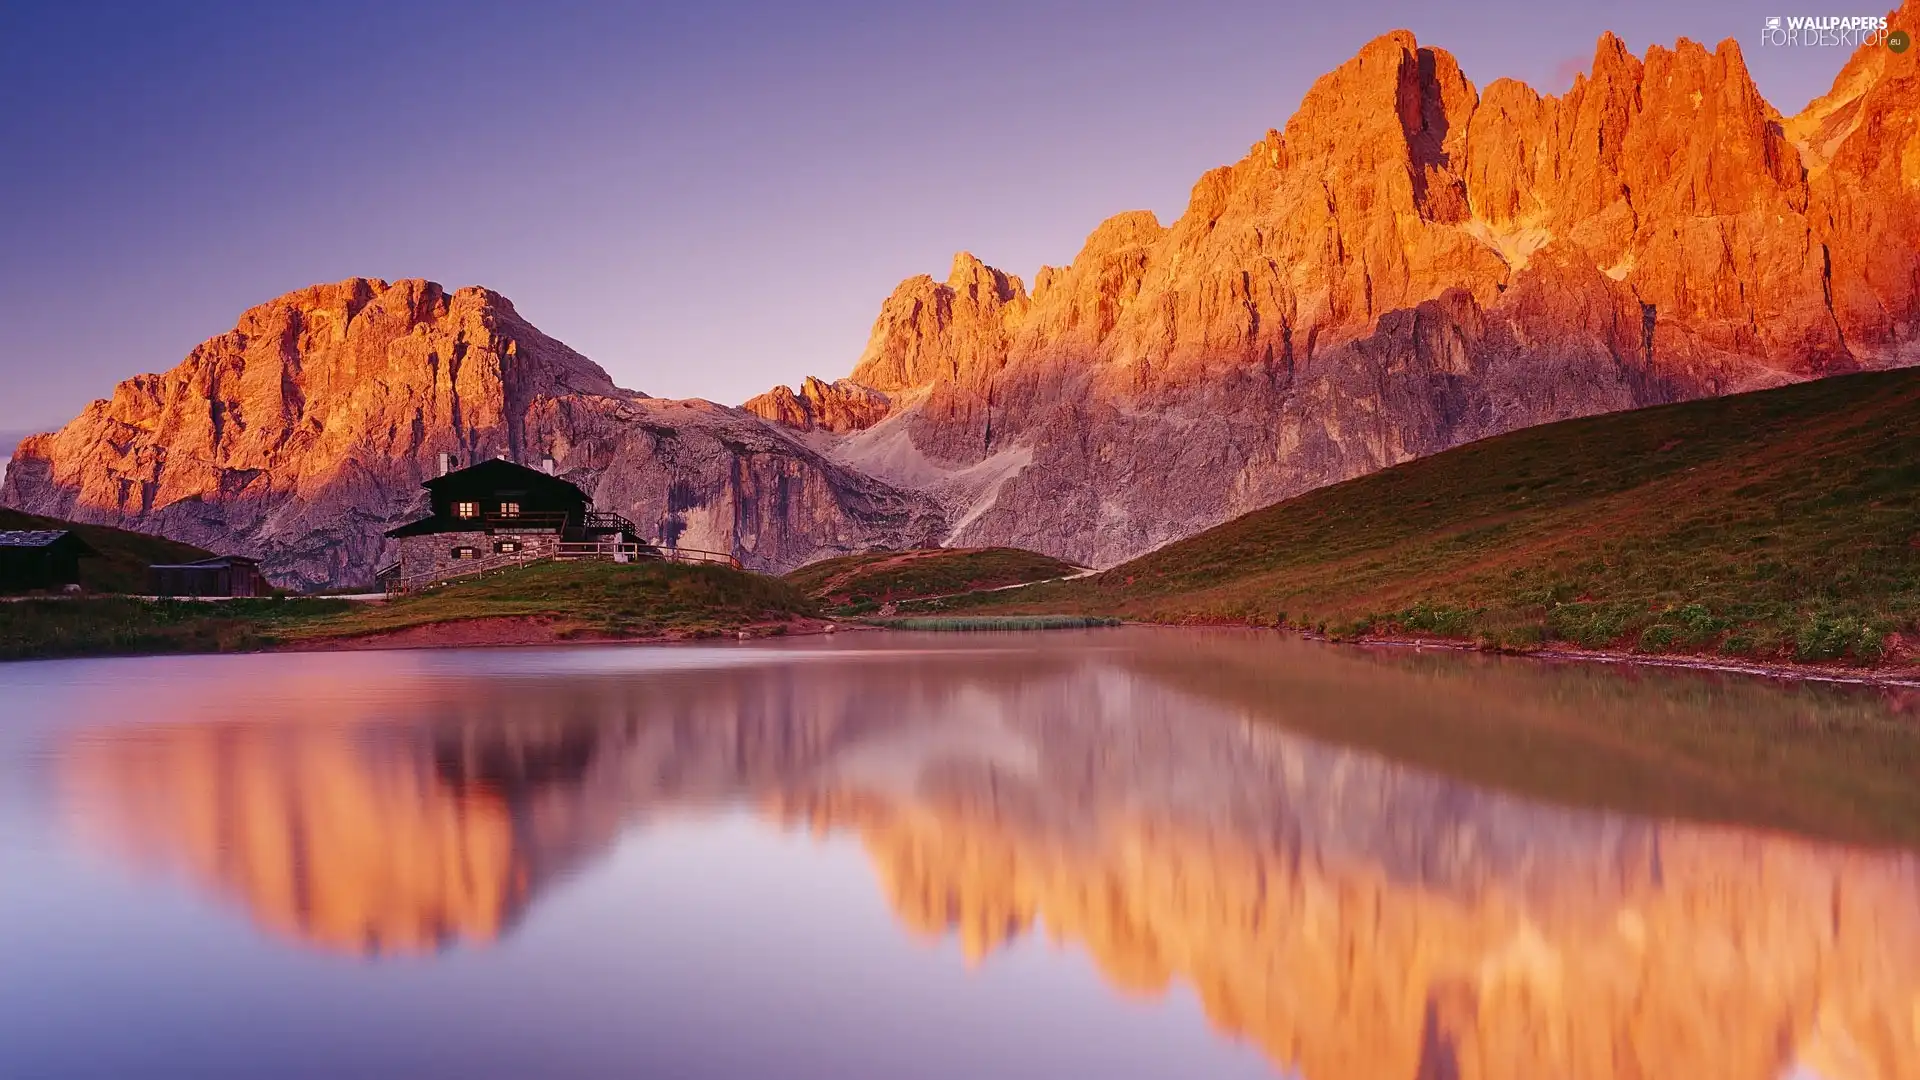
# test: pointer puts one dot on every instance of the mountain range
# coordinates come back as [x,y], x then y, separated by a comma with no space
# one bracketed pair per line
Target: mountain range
[1411,263]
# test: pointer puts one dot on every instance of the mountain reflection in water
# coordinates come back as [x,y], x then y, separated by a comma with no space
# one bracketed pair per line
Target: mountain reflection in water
[1152,806]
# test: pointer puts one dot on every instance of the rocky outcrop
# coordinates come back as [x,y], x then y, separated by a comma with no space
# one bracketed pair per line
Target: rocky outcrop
[822,406]
[302,434]
[957,332]
[701,475]
[1411,264]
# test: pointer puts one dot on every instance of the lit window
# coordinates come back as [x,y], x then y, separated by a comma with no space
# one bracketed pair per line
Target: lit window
[466,553]
[509,509]
[466,509]
[506,547]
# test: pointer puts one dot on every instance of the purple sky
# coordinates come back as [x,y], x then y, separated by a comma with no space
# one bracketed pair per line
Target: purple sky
[706,198]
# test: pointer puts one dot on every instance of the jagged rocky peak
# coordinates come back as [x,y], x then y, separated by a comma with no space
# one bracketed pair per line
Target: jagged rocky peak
[839,406]
[982,283]
[1395,104]
[1407,264]
[929,331]
[1825,123]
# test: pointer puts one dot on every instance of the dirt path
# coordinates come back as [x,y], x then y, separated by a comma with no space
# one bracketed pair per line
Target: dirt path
[1001,588]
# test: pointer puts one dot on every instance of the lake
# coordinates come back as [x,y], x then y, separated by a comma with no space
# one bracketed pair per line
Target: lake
[1115,853]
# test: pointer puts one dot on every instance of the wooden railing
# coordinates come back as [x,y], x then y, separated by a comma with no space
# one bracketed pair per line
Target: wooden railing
[601,519]
[482,567]
[538,521]
[696,555]
[617,550]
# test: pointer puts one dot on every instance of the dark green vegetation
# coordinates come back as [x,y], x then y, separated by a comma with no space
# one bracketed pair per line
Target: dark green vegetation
[858,584]
[541,602]
[997,622]
[1780,525]
[108,626]
[121,566]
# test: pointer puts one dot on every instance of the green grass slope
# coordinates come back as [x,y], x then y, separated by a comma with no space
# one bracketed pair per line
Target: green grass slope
[584,599]
[563,601]
[124,556]
[856,584]
[1779,525]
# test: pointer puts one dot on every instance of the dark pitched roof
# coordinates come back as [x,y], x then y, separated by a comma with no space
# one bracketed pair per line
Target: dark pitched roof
[39,538]
[500,471]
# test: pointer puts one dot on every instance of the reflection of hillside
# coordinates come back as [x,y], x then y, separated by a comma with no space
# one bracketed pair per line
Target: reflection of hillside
[1353,917]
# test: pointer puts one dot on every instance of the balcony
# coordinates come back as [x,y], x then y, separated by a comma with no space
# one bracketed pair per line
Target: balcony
[535,522]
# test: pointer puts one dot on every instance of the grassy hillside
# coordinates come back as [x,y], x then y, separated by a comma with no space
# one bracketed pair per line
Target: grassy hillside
[585,599]
[856,584]
[543,601]
[124,556]
[1776,525]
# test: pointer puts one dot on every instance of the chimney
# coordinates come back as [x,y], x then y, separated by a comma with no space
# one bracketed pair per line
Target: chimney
[446,463]
[546,464]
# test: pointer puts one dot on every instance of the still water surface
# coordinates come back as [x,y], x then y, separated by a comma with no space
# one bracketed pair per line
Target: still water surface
[1104,854]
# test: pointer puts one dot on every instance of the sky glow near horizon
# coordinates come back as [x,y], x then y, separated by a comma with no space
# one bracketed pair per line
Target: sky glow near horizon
[705,199]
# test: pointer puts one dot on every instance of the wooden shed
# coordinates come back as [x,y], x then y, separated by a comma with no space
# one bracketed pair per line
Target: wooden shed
[33,559]
[224,575]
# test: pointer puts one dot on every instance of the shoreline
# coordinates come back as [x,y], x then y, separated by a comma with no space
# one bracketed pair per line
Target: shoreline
[411,638]
[528,631]
[1770,669]
[522,631]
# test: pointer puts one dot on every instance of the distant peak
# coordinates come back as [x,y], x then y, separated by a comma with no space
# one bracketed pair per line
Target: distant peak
[971,274]
[485,297]
[1122,230]
[966,267]
[1611,57]
[1393,41]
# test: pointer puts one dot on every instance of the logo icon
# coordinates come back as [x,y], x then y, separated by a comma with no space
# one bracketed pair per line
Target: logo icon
[1773,22]
[1899,40]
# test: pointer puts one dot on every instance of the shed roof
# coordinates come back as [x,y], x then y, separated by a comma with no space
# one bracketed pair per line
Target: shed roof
[40,538]
[214,563]
[29,537]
